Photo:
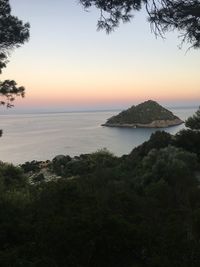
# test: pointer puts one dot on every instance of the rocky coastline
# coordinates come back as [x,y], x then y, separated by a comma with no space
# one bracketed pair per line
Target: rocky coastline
[154,124]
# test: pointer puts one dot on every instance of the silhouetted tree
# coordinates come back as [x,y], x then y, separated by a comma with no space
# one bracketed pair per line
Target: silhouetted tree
[13,33]
[188,140]
[194,121]
[164,15]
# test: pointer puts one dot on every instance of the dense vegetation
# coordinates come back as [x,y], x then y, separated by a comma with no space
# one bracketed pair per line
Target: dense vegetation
[139,210]
[194,121]
[143,113]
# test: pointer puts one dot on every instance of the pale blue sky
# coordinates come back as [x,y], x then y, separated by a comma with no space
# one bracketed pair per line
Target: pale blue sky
[67,64]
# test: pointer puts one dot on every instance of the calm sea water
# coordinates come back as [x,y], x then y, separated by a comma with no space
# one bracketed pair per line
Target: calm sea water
[43,136]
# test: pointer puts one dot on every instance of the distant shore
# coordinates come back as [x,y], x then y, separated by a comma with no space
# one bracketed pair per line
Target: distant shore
[154,124]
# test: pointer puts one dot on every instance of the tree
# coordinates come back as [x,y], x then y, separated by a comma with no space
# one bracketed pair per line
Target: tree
[188,140]
[13,33]
[164,15]
[194,121]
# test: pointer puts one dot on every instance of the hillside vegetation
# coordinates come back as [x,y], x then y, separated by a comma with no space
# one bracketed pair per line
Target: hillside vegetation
[139,210]
[143,113]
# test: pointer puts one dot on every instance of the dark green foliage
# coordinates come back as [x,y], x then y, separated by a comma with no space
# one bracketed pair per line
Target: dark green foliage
[141,210]
[32,166]
[13,33]
[9,90]
[11,176]
[117,11]
[3,61]
[169,164]
[164,15]
[143,113]
[39,178]
[188,140]
[59,163]
[159,139]
[84,164]
[194,121]
[182,15]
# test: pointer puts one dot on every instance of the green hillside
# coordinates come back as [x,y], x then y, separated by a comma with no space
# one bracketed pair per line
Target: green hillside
[143,113]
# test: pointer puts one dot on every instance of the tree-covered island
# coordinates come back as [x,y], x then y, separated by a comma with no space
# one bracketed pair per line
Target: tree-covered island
[148,114]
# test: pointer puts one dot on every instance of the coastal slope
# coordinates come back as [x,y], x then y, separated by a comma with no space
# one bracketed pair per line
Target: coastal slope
[148,114]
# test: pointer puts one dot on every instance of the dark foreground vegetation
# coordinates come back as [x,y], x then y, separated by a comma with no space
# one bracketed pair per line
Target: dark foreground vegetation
[142,209]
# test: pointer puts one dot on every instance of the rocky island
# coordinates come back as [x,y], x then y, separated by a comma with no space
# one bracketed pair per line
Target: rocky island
[145,115]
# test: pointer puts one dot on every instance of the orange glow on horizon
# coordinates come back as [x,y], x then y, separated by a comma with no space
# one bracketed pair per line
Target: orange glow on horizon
[102,96]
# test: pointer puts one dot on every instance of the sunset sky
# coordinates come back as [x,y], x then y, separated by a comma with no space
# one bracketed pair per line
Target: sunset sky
[67,64]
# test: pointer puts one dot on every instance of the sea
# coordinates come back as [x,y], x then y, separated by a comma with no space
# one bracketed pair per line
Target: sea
[40,137]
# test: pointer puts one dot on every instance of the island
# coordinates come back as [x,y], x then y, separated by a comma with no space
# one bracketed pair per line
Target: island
[148,114]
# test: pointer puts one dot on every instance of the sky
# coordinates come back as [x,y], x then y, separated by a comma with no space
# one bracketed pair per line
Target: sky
[69,65]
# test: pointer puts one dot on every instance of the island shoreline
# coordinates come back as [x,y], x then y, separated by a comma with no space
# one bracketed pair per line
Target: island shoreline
[155,124]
